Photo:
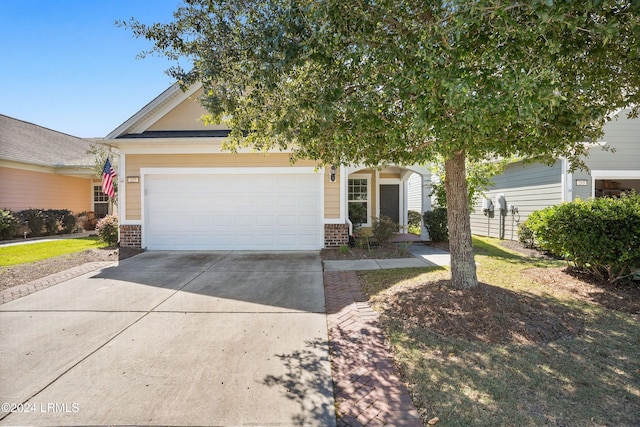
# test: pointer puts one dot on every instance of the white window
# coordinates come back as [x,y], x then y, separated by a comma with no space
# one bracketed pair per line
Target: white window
[359,200]
[100,202]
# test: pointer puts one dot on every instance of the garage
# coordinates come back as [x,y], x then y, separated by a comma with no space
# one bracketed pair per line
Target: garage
[232,209]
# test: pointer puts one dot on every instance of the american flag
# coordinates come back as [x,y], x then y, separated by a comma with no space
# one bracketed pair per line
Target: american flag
[108,175]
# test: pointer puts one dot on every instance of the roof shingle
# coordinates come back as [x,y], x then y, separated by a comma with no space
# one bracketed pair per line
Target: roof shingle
[25,142]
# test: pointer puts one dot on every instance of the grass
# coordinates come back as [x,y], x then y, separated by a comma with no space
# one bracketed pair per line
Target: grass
[22,254]
[591,379]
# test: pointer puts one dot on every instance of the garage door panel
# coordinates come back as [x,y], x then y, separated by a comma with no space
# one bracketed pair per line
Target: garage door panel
[231,211]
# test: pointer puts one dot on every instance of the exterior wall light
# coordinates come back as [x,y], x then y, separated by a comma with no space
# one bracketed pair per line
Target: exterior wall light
[332,177]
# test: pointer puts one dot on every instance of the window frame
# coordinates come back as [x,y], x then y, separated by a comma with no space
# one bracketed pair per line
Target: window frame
[367,202]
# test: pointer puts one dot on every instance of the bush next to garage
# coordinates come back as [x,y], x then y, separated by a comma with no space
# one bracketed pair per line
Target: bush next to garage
[107,229]
[600,235]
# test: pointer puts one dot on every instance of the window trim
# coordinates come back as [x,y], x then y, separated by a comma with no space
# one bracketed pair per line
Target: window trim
[93,198]
[366,177]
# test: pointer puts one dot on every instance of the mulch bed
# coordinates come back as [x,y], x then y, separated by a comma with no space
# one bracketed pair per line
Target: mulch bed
[487,314]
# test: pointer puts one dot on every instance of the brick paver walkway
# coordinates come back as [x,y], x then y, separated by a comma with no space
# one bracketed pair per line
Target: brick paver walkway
[367,387]
[19,291]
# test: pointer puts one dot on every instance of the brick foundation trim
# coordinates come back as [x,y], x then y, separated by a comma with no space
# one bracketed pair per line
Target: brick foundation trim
[131,236]
[336,235]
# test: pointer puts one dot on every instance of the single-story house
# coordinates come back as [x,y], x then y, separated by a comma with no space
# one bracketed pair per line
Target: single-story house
[44,169]
[179,189]
[527,187]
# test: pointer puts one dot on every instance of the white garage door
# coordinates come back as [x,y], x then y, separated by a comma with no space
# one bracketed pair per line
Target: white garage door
[233,211]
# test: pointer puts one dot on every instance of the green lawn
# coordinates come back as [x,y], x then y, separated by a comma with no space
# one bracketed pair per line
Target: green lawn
[21,254]
[589,379]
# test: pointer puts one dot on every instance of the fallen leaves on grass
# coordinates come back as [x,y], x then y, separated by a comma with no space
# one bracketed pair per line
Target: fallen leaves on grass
[623,296]
[486,313]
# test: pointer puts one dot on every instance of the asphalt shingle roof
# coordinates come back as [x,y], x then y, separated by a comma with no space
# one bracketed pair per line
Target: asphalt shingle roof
[25,142]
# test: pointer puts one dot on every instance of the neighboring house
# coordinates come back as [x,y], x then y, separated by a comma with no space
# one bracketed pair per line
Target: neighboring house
[178,188]
[528,187]
[44,169]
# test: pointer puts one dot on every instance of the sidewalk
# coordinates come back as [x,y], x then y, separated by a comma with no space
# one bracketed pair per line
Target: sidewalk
[423,256]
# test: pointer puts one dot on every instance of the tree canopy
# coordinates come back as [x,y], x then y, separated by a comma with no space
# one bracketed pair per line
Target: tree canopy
[400,81]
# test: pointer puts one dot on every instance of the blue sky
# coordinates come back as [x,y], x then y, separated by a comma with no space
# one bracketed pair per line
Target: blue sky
[65,65]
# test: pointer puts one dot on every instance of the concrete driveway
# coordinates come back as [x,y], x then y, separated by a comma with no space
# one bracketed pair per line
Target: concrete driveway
[172,338]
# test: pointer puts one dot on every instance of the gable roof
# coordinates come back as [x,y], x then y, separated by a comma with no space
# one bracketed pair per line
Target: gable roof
[153,111]
[26,142]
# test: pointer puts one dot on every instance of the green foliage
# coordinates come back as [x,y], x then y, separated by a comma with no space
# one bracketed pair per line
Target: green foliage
[100,154]
[34,219]
[358,213]
[436,223]
[414,221]
[51,223]
[601,236]
[479,180]
[107,229]
[525,235]
[8,224]
[343,249]
[383,229]
[389,82]
[69,222]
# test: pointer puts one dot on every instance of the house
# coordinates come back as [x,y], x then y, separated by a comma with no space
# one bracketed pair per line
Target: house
[44,169]
[179,189]
[526,187]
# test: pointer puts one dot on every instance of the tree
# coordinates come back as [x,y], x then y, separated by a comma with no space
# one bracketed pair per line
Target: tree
[381,82]
[100,155]
[479,180]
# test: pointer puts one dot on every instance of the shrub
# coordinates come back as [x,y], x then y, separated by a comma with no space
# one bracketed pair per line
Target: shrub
[601,236]
[69,222]
[525,235]
[51,222]
[107,229]
[414,220]
[34,219]
[435,222]
[8,224]
[383,228]
[357,213]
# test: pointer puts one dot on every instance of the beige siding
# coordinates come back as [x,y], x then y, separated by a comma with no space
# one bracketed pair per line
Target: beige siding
[389,175]
[20,189]
[528,187]
[134,162]
[186,116]
[331,195]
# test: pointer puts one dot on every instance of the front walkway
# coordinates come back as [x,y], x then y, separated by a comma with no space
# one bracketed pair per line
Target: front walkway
[367,387]
[422,256]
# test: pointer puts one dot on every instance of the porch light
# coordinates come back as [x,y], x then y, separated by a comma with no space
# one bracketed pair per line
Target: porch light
[332,177]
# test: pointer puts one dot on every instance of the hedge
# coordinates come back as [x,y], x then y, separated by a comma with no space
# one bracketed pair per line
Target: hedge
[599,235]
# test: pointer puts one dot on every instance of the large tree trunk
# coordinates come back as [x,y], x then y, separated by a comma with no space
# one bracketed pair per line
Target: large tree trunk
[463,266]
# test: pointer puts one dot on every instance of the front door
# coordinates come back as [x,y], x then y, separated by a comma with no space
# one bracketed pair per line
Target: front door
[390,201]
